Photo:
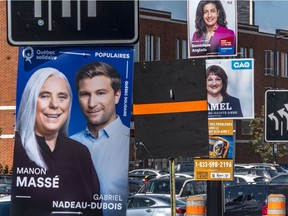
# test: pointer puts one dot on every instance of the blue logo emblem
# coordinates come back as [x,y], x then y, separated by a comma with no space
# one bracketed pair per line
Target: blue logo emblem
[242,64]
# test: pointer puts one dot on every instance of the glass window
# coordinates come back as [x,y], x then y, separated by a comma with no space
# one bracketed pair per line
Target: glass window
[184,49]
[269,62]
[158,46]
[277,63]
[243,52]
[138,202]
[177,49]
[234,195]
[283,64]
[152,48]
[245,127]
[136,52]
[149,47]
[199,187]
[149,173]
[251,53]
[137,172]
[188,190]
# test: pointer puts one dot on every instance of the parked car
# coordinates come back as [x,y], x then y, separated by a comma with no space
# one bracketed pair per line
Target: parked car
[144,174]
[247,179]
[256,171]
[184,187]
[5,185]
[177,175]
[5,188]
[269,166]
[5,179]
[250,199]
[280,179]
[284,166]
[148,205]
[242,165]
[5,201]
[184,168]
[134,186]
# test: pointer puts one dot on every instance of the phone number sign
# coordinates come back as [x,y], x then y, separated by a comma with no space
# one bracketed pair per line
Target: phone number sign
[213,169]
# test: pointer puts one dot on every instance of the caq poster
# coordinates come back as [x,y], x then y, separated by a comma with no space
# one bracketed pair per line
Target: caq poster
[230,88]
[73,111]
[212,28]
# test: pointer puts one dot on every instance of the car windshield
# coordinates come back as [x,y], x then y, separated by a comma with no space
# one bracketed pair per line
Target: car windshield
[161,186]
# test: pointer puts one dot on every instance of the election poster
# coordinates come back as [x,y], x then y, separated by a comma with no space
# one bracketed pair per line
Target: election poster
[230,88]
[212,28]
[73,111]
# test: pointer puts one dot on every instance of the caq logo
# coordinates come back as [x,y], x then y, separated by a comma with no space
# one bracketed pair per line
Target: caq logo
[241,64]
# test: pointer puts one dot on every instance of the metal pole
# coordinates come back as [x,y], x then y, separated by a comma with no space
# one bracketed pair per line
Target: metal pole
[172,186]
[214,202]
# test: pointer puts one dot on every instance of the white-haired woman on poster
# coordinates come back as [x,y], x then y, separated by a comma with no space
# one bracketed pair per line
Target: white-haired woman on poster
[49,168]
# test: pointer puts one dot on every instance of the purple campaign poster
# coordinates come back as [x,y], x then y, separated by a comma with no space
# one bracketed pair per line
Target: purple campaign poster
[212,28]
[71,154]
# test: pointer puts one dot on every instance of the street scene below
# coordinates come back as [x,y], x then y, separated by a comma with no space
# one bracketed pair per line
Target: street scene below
[149,190]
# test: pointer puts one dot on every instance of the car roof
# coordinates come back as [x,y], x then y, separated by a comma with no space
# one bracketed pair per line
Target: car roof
[155,170]
[167,178]
[177,175]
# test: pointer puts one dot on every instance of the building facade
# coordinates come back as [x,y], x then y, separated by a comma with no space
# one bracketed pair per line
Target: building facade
[8,70]
[167,39]
[162,38]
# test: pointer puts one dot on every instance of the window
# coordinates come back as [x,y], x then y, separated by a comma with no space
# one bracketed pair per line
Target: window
[158,45]
[150,48]
[277,63]
[140,202]
[184,49]
[243,52]
[245,130]
[246,52]
[283,64]
[269,62]
[136,52]
[251,53]
[177,49]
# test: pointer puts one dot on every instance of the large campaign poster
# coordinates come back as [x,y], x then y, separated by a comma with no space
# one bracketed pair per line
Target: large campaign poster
[212,28]
[230,88]
[71,154]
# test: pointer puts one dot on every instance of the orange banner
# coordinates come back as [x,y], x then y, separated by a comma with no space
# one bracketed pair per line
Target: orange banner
[172,107]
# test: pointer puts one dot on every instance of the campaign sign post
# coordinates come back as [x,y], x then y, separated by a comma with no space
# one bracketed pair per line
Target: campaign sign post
[66,22]
[276,116]
[86,173]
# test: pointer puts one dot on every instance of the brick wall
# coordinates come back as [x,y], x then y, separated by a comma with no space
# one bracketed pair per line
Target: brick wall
[8,72]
